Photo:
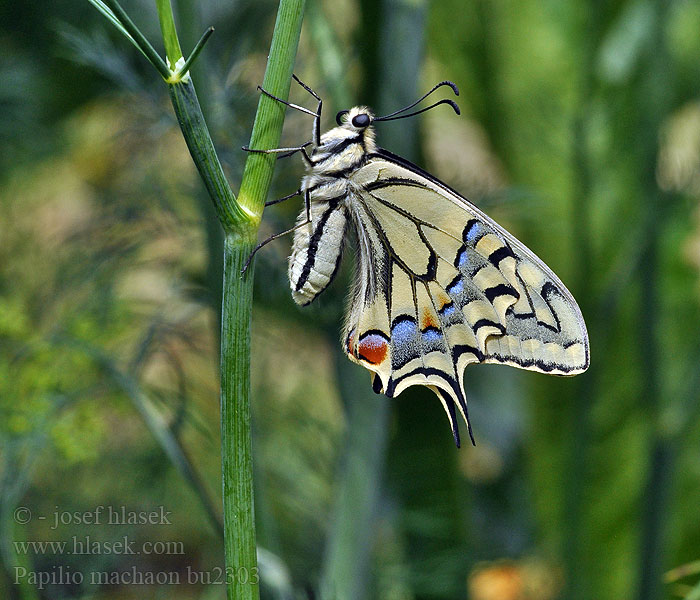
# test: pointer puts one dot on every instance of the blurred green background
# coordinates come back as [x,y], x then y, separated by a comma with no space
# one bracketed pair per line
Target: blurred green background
[580,132]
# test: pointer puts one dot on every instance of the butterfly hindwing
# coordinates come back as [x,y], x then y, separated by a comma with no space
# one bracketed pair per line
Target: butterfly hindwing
[401,338]
[442,286]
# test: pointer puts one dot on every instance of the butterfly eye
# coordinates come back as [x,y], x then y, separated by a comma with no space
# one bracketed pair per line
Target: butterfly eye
[340,115]
[361,120]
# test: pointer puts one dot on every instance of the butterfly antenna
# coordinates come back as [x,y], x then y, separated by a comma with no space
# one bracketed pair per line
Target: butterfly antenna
[452,85]
[452,103]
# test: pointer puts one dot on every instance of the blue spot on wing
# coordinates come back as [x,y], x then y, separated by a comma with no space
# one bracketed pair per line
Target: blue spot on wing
[462,260]
[431,335]
[404,330]
[447,310]
[456,287]
[473,231]
[405,341]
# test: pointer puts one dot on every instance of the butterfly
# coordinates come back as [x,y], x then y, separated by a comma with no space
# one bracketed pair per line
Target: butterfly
[438,284]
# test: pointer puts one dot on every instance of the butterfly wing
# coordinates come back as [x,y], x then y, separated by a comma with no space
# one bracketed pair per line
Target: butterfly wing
[442,286]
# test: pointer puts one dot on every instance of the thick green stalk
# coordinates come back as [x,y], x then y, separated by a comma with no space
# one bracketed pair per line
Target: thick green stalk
[236,447]
[267,129]
[240,219]
[237,468]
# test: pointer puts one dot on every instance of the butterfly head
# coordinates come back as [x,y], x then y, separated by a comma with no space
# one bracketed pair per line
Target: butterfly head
[356,119]
[355,124]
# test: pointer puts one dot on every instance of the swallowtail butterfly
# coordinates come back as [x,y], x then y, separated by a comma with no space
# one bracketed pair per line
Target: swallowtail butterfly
[438,285]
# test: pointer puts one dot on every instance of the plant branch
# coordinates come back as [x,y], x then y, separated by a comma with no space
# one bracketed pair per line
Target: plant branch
[240,220]
[189,115]
[143,44]
[195,53]
[236,444]
[167,27]
[267,129]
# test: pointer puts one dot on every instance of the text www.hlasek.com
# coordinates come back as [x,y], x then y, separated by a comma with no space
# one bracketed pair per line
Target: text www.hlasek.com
[86,545]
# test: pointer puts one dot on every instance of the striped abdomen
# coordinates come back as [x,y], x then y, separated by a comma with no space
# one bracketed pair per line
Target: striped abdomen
[317,249]
[318,246]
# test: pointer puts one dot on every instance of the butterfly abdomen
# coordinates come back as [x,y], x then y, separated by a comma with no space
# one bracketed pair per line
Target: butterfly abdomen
[317,249]
[318,246]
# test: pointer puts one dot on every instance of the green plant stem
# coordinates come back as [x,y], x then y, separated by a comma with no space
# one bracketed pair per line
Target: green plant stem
[267,129]
[236,447]
[240,220]
[237,468]
[167,27]
[143,44]
[195,53]
[111,17]
[194,130]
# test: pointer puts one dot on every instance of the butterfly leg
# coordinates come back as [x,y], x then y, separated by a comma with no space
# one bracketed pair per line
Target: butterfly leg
[317,118]
[307,88]
[289,104]
[316,134]
[287,197]
[290,150]
[316,115]
[286,151]
[307,203]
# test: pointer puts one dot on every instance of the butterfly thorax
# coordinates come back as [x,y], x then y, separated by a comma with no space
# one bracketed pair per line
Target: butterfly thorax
[343,148]
[318,245]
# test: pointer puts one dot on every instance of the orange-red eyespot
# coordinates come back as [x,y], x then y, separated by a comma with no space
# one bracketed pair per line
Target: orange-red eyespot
[373,347]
